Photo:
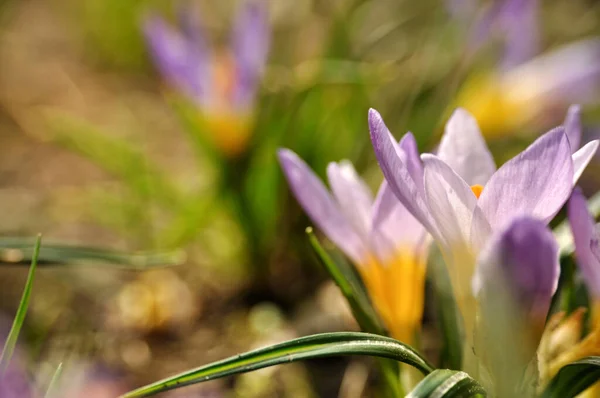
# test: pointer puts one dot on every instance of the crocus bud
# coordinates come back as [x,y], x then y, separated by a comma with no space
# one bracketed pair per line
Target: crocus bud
[516,277]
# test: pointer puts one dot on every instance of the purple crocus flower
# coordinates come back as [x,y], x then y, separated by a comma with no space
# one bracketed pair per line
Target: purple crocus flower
[224,85]
[463,200]
[386,243]
[516,276]
[526,87]
[514,22]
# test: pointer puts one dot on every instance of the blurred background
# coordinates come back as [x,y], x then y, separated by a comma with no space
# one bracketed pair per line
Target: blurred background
[152,127]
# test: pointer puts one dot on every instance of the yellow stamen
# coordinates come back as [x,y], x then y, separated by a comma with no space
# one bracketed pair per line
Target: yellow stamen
[562,344]
[230,132]
[396,288]
[477,189]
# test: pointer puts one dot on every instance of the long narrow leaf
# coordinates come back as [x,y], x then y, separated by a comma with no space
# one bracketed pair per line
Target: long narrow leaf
[52,385]
[574,378]
[447,384]
[315,346]
[19,251]
[345,277]
[13,335]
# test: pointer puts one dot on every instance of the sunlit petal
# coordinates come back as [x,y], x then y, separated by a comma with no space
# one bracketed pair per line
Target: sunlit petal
[464,149]
[537,182]
[352,195]
[320,206]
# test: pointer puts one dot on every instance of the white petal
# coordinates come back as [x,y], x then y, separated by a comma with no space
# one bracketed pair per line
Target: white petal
[464,150]
[352,194]
[393,225]
[582,157]
[451,201]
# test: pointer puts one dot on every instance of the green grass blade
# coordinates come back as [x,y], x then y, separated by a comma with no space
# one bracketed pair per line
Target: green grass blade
[447,384]
[315,346]
[53,381]
[13,335]
[352,288]
[574,378]
[346,278]
[19,251]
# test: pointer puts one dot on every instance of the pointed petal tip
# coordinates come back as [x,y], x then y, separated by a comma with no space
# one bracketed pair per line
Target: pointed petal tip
[594,144]
[462,112]
[377,129]
[374,117]
[574,109]
[288,159]
[283,153]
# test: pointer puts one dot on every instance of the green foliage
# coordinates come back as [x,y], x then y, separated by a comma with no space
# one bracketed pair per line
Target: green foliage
[13,335]
[316,346]
[345,276]
[53,381]
[19,251]
[117,156]
[574,378]
[448,384]
[118,44]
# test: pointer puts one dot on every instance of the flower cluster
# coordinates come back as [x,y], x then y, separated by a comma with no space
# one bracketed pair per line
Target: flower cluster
[490,224]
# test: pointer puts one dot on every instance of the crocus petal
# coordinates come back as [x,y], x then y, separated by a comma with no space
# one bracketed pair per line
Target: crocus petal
[570,74]
[582,158]
[450,200]
[463,148]
[573,127]
[411,158]
[518,19]
[352,194]
[525,257]
[320,206]
[392,225]
[516,277]
[585,236]
[251,43]
[537,182]
[189,21]
[396,171]
[178,60]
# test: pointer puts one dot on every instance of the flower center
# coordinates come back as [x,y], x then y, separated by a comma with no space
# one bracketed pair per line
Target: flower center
[477,189]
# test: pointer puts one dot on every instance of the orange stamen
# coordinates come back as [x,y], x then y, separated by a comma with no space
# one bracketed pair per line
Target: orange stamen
[477,189]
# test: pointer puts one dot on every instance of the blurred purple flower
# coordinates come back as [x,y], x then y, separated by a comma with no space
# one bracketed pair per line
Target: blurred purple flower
[585,237]
[215,83]
[15,382]
[516,21]
[386,243]
[527,86]
[572,126]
